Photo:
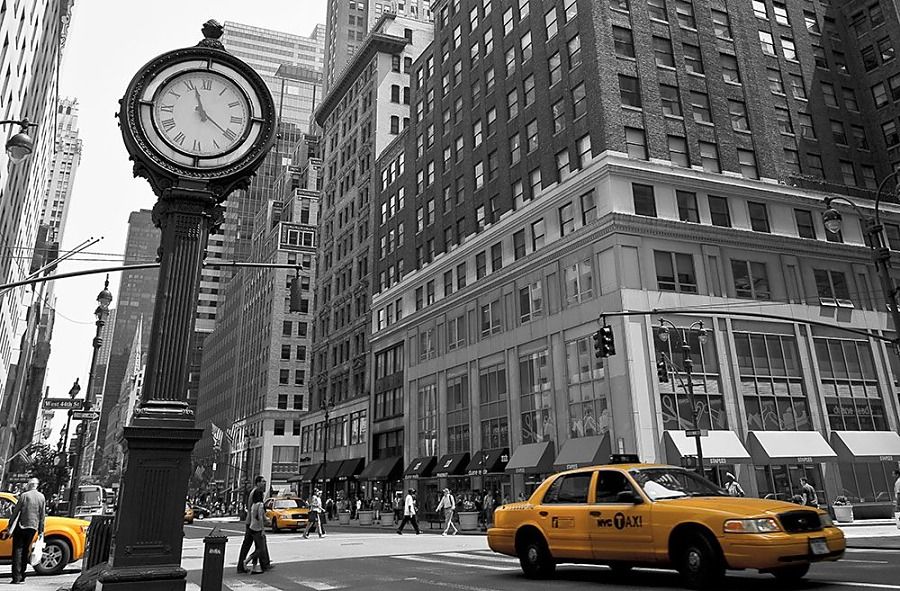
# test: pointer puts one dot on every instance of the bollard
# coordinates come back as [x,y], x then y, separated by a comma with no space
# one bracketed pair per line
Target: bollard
[213,561]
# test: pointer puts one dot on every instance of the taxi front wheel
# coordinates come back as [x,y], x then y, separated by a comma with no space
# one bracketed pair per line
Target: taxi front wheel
[534,556]
[700,564]
[791,573]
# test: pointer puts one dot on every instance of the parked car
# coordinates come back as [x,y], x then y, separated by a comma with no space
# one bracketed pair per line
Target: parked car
[200,512]
[64,537]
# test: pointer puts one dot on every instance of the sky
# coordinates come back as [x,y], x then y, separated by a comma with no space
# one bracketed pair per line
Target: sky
[108,42]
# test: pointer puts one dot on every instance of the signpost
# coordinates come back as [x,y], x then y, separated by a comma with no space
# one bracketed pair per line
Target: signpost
[86,415]
[62,403]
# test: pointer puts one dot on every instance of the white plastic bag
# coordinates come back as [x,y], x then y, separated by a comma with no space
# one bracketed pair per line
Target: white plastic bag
[37,551]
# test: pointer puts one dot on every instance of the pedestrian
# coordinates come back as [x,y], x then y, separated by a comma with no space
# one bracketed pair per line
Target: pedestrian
[732,487]
[259,486]
[897,497]
[329,508]
[447,504]
[409,512]
[26,521]
[810,498]
[487,505]
[520,498]
[315,515]
[358,504]
[259,559]
[397,506]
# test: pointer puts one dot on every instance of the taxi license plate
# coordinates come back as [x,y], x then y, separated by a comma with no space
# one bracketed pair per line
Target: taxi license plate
[818,546]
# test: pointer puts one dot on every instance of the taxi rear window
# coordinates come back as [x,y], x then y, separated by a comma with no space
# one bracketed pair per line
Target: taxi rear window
[571,488]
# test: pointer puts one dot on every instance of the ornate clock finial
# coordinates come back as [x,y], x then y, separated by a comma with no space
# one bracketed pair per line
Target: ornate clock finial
[212,30]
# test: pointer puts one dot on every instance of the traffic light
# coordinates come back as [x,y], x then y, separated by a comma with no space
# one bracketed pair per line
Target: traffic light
[598,344]
[296,294]
[607,341]
[662,372]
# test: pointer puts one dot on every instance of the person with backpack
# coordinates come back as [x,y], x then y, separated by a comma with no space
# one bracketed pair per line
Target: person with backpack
[447,504]
[732,487]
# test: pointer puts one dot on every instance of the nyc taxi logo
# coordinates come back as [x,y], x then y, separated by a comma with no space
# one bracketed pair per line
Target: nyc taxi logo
[621,521]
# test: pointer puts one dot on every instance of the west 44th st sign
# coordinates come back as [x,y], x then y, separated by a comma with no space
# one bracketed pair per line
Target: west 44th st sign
[62,403]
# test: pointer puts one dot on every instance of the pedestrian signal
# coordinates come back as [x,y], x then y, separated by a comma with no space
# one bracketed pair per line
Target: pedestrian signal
[607,341]
[662,371]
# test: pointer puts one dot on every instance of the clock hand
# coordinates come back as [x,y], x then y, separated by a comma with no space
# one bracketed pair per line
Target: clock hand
[211,120]
[199,108]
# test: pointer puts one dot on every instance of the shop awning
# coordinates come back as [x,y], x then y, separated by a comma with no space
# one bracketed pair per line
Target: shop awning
[866,446]
[718,447]
[789,447]
[583,451]
[331,470]
[420,467]
[488,461]
[532,458]
[350,468]
[382,469]
[451,465]
[296,477]
[311,473]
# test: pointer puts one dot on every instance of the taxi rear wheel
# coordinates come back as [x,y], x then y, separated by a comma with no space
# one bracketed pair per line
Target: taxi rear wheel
[535,559]
[55,557]
[700,564]
[791,573]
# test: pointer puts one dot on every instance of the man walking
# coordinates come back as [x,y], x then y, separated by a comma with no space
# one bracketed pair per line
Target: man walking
[732,487]
[810,498]
[259,484]
[314,517]
[409,512]
[448,506]
[27,519]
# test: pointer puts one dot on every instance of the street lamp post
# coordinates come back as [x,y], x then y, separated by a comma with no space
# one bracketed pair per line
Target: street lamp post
[104,299]
[20,146]
[877,242]
[63,445]
[688,364]
[326,404]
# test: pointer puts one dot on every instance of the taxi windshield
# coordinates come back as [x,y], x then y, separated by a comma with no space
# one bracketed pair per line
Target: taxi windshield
[674,483]
[286,504]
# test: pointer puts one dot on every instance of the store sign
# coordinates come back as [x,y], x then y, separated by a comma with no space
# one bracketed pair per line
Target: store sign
[717,460]
[805,460]
[885,458]
[520,470]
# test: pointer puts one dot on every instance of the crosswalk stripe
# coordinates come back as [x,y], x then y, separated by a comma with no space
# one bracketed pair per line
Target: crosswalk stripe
[444,563]
[318,585]
[239,585]
[494,558]
[189,586]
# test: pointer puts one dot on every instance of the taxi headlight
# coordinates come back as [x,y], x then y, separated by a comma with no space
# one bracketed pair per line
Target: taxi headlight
[826,520]
[763,525]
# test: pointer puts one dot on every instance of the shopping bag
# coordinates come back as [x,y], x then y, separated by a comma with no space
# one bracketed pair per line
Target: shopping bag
[37,551]
[897,519]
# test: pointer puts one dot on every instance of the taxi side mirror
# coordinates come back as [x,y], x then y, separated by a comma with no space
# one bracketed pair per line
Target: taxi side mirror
[629,496]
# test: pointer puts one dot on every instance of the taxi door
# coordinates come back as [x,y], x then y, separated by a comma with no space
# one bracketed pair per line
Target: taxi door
[620,520]
[564,516]
[6,508]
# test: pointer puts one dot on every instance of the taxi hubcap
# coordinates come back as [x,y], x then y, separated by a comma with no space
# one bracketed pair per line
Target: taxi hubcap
[532,554]
[51,556]
[693,560]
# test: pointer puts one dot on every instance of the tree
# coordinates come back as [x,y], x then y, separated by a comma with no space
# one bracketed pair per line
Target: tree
[44,467]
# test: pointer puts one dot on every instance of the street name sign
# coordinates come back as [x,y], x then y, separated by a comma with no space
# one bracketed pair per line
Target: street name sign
[62,403]
[86,415]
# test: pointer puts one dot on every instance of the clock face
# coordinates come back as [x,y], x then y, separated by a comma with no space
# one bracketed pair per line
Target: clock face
[201,113]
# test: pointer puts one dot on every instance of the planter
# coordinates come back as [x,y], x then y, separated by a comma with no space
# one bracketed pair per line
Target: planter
[387,519]
[468,520]
[344,518]
[843,513]
[365,517]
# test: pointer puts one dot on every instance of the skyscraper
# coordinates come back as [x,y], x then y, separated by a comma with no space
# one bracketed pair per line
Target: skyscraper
[63,167]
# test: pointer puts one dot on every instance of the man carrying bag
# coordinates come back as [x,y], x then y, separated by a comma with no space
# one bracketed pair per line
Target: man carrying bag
[27,519]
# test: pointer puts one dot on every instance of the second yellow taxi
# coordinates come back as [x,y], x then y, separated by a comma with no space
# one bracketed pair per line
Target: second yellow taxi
[285,513]
[626,515]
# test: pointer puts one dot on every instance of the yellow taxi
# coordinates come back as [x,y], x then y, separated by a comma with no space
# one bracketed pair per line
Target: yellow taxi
[188,513]
[64,539]
[626,515]
[285,513]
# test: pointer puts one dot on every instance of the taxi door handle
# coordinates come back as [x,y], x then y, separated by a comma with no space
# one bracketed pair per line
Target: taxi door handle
[595,513]
[543,513]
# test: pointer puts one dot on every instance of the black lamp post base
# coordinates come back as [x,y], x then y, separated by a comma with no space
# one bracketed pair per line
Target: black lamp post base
[146,552]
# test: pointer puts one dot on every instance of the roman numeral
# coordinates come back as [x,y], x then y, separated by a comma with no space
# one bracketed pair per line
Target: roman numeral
[167,108]
[233,105]
[175,93]
[190,84]
[168,124]
[179,139]
[207,84]
[238,120]
[230,135]
[221,92]
[216,144]
[197,147]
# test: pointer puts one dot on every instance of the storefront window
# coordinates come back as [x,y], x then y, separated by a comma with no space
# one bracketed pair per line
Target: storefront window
[536,397]
[427,412]
[676,408]
[588,406]
[772,382]
[850,385]
[493,392]
[866,483]
[458,414]
[782,481]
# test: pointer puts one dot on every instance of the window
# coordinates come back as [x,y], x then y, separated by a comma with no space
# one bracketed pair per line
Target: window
[460,276]
[644,200]
[850,384]
[579,281]
[838,133]
[832,288]
[588,207]
[569,490]
[490,319]
[427,420]
[510,61]
[859,136]
[687,206]
[776,86]
[879,95]
[480,265]
[805,226]
[772,382]
[623,42]
[828,95]
[848,174]
[819,56]
[515,149]
[657,9]
[526,46]
[678,153]
[675,272]
[721,23]
[751,280]
[629,91]
[730,68]
[531,136]
[550,23]
[635,143]
[512,103]
[537,235]
[579,102]
[570,7]
[747,162]
[662,49]
[875,14]
[583,148]
[718,211]
[806,126]
[783,119]
[519,244]
[563,169]
[574,49]
[693,61]
[759,9]
[531,302]
[885,49]
[850,99]
[709,157]
[619,5]
[700,107]
[555,66]
[812,22]
[788,48]
[759,216]
[534,180]
[767,42]
[738,112]
[814,161]
[684,11]
[889,131]
[781,16]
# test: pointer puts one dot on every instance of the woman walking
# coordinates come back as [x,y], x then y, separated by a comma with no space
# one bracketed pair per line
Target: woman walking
[448,505]
[315,515]
[260,556]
